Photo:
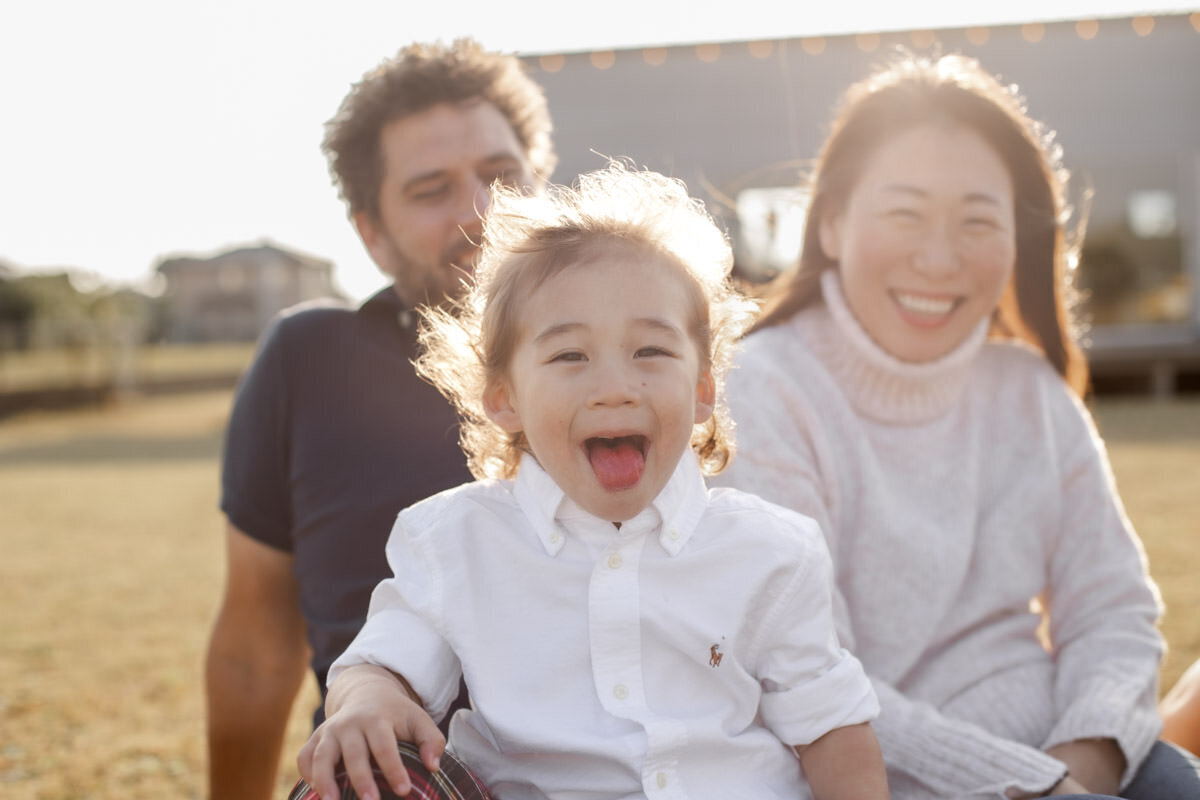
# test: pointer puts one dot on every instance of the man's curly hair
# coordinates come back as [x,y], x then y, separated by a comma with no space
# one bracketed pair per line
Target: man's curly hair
[418,78]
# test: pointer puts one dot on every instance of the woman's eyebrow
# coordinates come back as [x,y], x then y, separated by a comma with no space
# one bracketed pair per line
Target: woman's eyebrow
[915,191]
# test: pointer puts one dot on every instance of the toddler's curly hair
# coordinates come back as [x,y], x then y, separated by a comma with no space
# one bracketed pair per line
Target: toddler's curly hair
[528,239]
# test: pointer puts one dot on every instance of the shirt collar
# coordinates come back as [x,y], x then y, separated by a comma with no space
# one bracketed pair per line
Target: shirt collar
[387,302]
[676,510]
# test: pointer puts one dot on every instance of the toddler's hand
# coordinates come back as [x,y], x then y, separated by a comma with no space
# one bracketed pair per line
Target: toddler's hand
[370,710]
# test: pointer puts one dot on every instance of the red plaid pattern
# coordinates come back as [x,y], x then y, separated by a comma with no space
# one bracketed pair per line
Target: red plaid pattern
[452,782]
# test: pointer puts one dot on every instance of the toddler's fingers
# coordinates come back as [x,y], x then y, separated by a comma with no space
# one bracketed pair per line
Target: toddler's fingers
[304,759]
[316,762]
[429,741]
[387,757]
[356,760]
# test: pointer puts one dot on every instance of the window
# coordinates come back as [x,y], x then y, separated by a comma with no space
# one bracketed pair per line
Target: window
[770,230]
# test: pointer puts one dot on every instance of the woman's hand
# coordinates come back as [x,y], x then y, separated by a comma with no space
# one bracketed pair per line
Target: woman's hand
[1094,766]
[1097,764]
[1067,785]
[369,709]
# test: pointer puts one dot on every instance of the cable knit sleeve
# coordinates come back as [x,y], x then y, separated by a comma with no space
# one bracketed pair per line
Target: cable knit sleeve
[1103,606]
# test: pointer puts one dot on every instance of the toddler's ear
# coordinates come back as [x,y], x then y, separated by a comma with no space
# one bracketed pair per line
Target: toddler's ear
[497,402]
[706,396]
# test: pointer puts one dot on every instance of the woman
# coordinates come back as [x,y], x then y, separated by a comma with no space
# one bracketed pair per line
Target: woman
[914,386]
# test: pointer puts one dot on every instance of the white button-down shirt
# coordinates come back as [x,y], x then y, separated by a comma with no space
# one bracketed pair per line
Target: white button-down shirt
[680,655]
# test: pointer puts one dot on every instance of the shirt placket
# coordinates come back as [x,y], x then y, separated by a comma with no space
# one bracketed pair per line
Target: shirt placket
[614,620]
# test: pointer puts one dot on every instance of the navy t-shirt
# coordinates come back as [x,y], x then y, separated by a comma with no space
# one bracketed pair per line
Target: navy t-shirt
[331,435]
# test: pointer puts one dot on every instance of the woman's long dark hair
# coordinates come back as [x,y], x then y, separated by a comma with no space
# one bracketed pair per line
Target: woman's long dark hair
[954,89]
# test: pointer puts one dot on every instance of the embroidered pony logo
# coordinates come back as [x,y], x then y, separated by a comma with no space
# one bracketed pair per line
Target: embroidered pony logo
[715,655]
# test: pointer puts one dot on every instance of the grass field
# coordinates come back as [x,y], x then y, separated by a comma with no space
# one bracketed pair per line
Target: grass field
[96,365]
[112,566]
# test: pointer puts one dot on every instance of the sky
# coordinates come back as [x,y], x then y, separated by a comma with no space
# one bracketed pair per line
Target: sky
[133,130]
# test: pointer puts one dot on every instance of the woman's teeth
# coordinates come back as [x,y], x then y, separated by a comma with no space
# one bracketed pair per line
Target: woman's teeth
[920,304]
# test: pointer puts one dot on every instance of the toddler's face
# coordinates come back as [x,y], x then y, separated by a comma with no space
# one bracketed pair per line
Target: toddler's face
[605,381]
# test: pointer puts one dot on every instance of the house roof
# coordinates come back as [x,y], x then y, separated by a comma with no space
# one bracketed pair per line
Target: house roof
[265,251]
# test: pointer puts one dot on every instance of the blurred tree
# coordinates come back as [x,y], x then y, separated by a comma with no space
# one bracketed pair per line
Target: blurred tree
[1119,270]
[17,308]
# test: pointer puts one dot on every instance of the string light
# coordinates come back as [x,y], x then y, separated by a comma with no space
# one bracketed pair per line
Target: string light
[922,39]
[813,46]
[708,53]
[602,59]
[978,36]
[761,50]
[552,63]
[655,56]
[867,42]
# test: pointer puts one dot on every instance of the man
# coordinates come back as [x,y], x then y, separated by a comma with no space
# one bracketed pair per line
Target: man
[332,433]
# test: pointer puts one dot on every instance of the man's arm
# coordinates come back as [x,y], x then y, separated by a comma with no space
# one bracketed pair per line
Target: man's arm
[256,662]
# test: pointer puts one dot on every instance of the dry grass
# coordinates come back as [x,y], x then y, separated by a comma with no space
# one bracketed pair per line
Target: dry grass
[113,565]
[1155,451]
[98,365]
[111,572]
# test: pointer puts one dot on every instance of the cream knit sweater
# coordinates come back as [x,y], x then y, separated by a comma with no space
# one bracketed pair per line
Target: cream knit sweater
[958,497]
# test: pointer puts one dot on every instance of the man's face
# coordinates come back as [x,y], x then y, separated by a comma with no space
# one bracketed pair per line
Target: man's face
[438,167]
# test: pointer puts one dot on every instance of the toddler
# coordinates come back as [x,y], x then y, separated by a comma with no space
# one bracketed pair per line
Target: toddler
[623,630]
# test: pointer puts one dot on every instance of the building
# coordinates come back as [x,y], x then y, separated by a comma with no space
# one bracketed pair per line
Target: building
[231,297]
[738,121]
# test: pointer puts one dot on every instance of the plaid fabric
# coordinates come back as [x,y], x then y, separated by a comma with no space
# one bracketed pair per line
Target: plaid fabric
[452,782]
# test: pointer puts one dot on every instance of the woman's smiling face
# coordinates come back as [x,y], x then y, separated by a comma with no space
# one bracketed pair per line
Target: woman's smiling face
[926,240]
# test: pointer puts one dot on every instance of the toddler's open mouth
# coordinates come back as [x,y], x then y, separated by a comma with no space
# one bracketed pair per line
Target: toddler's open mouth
[617,461]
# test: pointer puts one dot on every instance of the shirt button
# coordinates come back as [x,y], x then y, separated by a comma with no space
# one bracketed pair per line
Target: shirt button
[614,561]
[620,691]
[555,537]
[674,533]
[661,778]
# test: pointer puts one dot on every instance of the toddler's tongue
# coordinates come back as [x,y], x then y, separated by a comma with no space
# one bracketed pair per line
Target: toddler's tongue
[618,463]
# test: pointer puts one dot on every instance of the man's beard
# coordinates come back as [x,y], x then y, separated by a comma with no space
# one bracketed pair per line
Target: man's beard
[442,286]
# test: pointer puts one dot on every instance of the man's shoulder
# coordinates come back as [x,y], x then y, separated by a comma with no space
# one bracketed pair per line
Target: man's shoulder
[312,324]
[315,312]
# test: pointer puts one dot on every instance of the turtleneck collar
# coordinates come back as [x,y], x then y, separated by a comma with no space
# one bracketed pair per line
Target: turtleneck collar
[877,384]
